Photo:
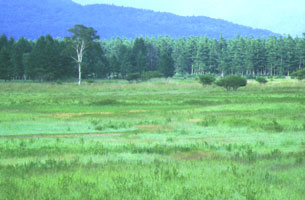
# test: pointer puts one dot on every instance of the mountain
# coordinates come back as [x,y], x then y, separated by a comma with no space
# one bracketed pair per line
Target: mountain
[33,18]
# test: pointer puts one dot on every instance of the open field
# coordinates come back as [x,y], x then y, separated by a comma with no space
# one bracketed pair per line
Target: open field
[162,139]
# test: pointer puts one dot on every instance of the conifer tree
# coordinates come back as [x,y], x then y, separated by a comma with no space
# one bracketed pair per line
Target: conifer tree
[21,47]
[6,67]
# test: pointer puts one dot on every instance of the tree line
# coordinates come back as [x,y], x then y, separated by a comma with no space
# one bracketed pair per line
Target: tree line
[49,59]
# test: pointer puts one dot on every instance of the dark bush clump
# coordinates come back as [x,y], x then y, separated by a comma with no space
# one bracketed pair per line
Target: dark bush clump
[232,82]
[300,74]
[133,76]
[59,82]
[207,79]
[90,81]
[273,127]
[151,74]
[261,80]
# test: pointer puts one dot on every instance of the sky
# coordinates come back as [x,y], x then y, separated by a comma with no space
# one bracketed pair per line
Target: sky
[280,16]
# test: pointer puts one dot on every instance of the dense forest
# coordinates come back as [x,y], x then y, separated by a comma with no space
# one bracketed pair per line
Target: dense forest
[48,59]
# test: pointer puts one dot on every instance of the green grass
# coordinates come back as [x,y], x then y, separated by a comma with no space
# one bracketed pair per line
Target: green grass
[162,139]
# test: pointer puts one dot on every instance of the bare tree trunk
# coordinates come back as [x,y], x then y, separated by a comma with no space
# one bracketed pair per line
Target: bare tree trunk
[79,73]
[281,63]
[80,50]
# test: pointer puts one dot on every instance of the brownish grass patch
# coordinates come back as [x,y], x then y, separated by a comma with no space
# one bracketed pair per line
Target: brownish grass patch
[69,115]
[195,120]
[137,111]
[62,135]
[199,155]
[153,128]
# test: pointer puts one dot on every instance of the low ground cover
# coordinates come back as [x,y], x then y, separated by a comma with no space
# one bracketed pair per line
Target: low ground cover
[161,139]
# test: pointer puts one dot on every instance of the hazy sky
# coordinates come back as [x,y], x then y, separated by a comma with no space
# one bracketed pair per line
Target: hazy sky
[281,16]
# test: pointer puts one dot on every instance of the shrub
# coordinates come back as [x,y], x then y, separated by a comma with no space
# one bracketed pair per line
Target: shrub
[99,128]
[151,74]
[261,80]
[90,81]
[104,102]
[250,76]
[133,76]
[207,79]
[300,74]
[273,127]
[59,82]
[232,82]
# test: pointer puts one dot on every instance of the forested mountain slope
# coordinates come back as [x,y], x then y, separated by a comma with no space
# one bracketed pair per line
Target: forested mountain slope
[33,18]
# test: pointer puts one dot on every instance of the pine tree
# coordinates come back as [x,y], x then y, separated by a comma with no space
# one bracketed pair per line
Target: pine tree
[35,64]
[292,59]
[180,56]
[152,53]
[213,56]
[202,57]
[95,63]
[191,53]
[300,48]
[124,59]
[139,56]
[166,62]
[272,54]
[282,56]
[21,47]
[3,41]
[6,67]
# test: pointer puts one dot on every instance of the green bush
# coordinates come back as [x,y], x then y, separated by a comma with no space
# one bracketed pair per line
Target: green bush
[261,80]
[300,74]
[206,79]
[250,76]
[151,74]
[133,76]
[90,81]
[273,127]
[59,82]
[232,82]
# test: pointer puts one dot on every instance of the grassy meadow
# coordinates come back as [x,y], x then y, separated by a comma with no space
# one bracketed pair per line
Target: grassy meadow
[161,139]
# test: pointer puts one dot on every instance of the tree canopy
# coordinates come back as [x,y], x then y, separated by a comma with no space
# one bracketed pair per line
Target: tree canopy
[83,37]
[50,59]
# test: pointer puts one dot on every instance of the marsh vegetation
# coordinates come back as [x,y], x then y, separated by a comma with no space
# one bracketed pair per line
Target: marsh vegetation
[161,139]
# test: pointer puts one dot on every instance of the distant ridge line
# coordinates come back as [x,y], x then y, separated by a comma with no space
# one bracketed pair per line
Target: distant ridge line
[33,18]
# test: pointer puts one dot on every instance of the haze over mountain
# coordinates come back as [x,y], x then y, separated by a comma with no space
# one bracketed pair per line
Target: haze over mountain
[280,16]
[33,18]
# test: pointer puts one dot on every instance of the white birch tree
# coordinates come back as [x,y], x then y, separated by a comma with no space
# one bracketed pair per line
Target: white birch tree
[82,38]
